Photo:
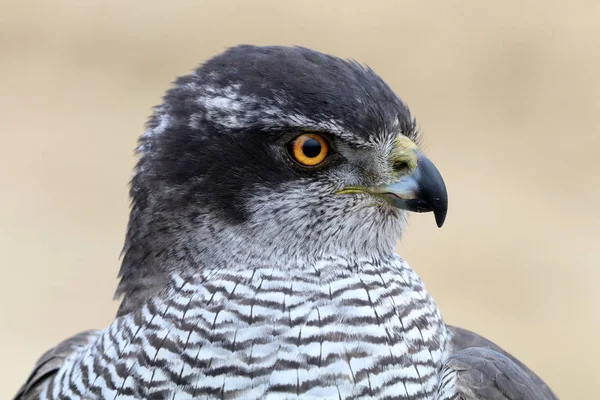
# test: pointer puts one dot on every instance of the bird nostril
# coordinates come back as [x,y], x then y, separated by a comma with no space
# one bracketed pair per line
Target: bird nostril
[399,165]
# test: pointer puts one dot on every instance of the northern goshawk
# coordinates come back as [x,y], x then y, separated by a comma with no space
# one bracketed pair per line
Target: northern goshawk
[271,190]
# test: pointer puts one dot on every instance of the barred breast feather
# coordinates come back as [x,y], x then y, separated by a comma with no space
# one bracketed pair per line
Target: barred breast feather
[331,330]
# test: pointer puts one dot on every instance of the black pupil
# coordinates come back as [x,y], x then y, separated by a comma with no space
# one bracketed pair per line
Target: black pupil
[311,148]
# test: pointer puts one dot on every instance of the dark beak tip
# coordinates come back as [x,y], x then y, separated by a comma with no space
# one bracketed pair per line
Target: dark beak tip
[441,210]
[433,191]
[440,218]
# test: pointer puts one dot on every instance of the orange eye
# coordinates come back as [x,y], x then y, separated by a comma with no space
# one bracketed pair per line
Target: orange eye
[309,149]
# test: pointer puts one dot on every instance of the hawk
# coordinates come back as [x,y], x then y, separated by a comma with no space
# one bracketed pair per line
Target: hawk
[271,189]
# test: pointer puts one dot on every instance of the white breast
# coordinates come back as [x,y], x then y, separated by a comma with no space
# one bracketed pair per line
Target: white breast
[325,331]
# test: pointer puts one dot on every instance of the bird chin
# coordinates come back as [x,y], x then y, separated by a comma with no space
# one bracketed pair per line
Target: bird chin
[386,206]
[380,202]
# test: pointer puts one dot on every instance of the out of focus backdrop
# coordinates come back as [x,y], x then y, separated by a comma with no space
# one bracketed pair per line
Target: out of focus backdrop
[507,95]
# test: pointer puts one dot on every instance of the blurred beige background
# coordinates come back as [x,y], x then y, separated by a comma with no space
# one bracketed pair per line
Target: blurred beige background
[508,97]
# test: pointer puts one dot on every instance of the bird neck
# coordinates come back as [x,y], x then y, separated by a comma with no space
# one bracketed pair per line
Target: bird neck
[159,245]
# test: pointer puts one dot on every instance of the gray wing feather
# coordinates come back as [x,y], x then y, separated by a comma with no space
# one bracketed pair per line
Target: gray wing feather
[485,371]
[49,363]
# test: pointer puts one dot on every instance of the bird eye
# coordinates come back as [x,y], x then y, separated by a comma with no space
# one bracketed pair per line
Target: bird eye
[309,149]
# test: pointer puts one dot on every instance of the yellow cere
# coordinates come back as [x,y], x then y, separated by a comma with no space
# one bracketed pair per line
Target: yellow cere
[404,152]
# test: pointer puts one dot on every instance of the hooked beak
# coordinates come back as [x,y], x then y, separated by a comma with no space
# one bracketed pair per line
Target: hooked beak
[419,186]
[422,190]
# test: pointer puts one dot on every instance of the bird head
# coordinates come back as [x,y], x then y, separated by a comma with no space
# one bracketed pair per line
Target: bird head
[279,153]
